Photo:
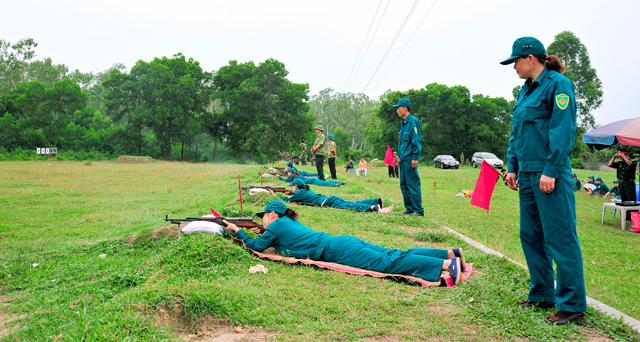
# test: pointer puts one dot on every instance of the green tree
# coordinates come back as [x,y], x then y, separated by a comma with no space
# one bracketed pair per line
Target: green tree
[343,142]
[50,110]
[263,111]
[588,86]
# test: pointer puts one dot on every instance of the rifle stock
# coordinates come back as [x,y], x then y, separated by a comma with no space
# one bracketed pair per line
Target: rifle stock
[244,222]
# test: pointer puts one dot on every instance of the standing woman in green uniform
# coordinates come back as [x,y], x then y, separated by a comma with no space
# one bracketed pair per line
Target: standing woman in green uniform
[290,237]
[544,126]
[318,150]
[332,155]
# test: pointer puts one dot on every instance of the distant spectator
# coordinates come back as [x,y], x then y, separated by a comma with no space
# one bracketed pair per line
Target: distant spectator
[363,167]
[614,192]
[601,188]
[577,185]
[350,165]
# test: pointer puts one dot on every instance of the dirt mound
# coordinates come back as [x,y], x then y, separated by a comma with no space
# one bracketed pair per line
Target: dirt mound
[129,159]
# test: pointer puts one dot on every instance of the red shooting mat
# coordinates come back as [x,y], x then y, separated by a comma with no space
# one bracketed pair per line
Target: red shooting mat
[445,278]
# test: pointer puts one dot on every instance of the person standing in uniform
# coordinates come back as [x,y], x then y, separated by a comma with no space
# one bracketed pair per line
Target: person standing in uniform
[303,154]
[332,154]
[318,150]
[544,127]
[461,158]
[396,161]
[409,150]
[626,174]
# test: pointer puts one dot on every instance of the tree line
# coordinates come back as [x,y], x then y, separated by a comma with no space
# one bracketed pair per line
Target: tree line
[170,108]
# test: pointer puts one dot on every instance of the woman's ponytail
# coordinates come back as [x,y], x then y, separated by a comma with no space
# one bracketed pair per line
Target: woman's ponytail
[290,213]
[551,62]
[554,63]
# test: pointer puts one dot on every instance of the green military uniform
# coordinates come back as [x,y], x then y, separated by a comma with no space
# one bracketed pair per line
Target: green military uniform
[627,175]
[577,185]
[319,153]
[291,238]
[542,135]
[601,189]
[319,182]
[615,190]
[309,197]
[295,159]
[303,154]
[350,165]
[410,148]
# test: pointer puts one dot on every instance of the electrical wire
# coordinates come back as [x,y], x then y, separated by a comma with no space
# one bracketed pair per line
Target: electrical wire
[405,46]
[395,39]
[372,38]
[365,40]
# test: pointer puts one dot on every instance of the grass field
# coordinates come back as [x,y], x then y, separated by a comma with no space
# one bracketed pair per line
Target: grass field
[72,268]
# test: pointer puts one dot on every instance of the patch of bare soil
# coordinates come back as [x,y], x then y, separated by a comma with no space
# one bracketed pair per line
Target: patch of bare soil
[7,326]
[209,329]
[592,336]
[134,160]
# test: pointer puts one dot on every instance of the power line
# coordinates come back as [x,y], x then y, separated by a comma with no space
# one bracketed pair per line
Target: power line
[365,40]
[372,38]
[405,45]
[395,39]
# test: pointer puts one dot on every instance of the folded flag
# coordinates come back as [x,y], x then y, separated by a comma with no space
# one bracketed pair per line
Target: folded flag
[484,186]
[388,158]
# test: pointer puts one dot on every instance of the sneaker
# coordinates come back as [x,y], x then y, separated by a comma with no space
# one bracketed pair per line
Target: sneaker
[337,185]
[417,214]
[381,202]
[458,253]
[407,212]
[565,317]
[532,304]
[344,183]
[454,270]
[376,208]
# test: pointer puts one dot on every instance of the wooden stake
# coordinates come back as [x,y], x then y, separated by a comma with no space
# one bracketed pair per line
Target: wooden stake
[260,175]
[240,191]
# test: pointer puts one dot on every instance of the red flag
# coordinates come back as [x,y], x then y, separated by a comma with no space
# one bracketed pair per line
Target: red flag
[484,186]
[214,213]
[388,159]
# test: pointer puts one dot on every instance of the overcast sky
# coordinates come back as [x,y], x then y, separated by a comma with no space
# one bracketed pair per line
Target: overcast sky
[459,43]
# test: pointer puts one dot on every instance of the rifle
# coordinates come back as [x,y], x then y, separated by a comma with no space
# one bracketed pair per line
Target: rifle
[244,222]
[272,188]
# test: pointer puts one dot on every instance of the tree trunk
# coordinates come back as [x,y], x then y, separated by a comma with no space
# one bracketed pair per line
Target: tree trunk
[182,152]
[215,148]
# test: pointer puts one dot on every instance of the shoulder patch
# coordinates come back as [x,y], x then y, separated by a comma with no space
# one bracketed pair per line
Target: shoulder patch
[562,101]
[416,129]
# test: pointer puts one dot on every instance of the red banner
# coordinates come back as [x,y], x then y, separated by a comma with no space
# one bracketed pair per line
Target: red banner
[388,159]
[484,186]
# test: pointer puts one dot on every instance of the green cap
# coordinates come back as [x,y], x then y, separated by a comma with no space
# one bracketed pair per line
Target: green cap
[590,177]
[274,205]
[297,182]
[330,136]
[599,179]
[289,164]
[616,181]
[524,46]
[320,127]
[404,102]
